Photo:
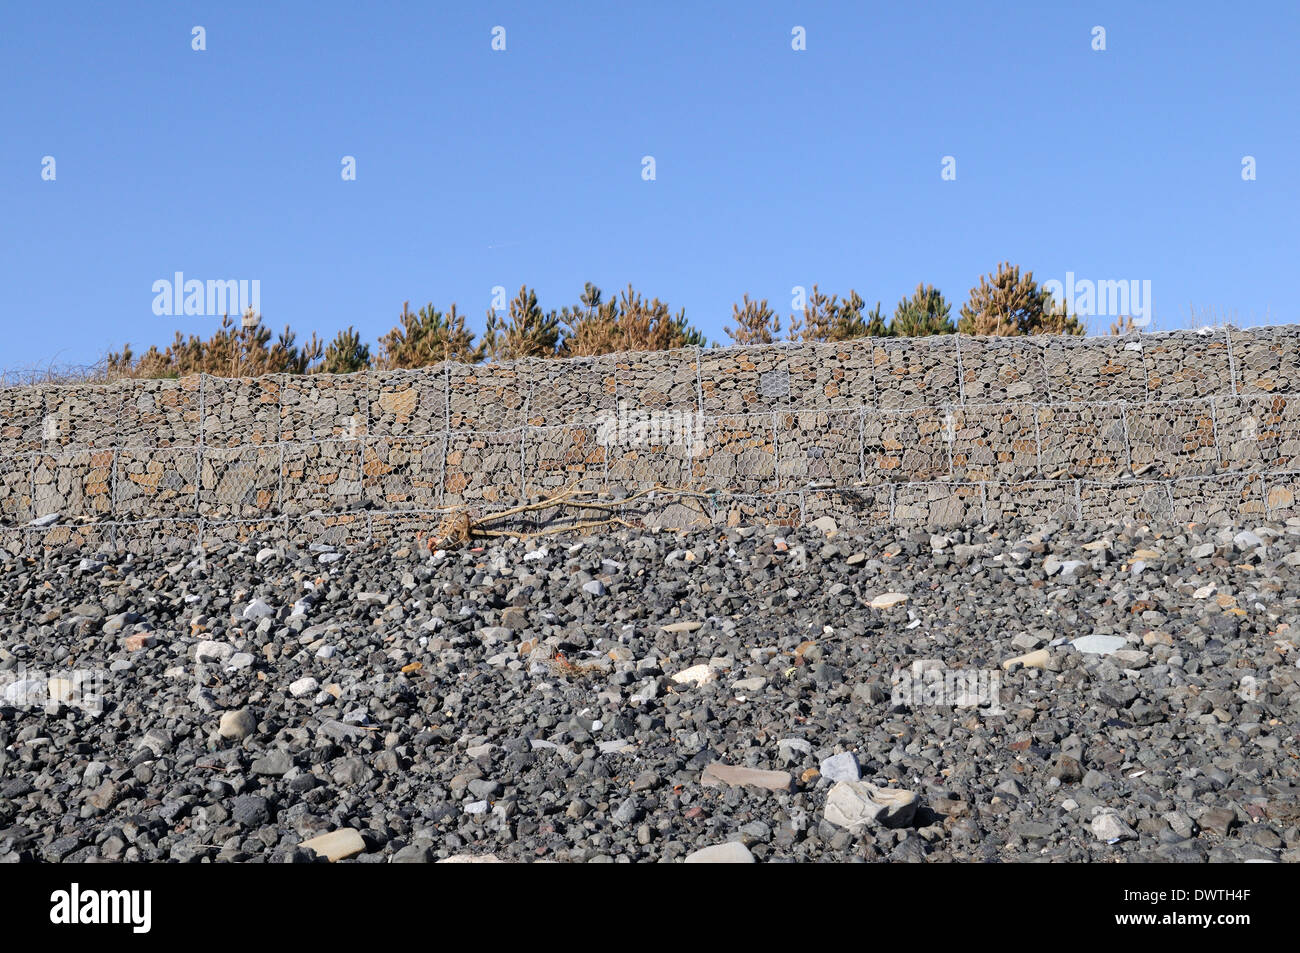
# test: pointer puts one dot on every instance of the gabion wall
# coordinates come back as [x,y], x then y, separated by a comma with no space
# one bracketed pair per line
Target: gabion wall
[933,432]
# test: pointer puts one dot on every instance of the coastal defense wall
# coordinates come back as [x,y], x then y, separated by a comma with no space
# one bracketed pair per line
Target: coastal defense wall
[937,432]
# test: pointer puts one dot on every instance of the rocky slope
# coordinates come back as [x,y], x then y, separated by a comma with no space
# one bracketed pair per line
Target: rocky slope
[1053,693]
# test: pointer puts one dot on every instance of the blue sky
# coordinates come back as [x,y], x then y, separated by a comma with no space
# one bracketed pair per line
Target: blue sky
[774,167]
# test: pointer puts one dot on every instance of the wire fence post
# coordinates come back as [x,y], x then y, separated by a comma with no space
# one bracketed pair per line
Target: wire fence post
[1232,364]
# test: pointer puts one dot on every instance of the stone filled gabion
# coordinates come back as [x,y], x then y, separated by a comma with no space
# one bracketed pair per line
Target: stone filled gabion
[241,411]
[320,476]
[324,406]
[160,413]
[156,483]
[1265,359]
[942,431]
[580,393]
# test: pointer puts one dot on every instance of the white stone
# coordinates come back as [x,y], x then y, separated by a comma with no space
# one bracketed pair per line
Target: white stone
[858,804]
[1099,644]
[1247,540]
[733,852]
[840,767]
[210,650]
[888,600]
[696,675]
[303,686]
[257,609]
[26,691]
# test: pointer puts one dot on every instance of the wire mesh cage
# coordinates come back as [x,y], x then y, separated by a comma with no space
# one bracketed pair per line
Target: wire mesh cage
[941,431]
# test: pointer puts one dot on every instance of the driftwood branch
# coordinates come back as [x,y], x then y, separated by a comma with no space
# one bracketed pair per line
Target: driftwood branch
[460,527]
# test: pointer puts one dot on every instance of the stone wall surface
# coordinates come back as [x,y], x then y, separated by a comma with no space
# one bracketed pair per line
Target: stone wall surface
[942,431]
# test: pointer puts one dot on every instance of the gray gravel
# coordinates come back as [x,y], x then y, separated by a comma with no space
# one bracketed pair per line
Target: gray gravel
[1052,693]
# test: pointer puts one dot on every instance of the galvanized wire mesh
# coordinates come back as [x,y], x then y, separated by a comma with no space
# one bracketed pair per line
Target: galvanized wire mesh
[934,431]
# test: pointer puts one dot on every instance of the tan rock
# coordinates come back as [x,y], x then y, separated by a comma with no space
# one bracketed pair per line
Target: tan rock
[336,845]
[1035,659]
[688,626]
[718,775]
[399,403]
[1279,497]
[472,859]
[61,690]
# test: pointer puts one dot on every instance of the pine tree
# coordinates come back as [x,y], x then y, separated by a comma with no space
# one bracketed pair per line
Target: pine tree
[756,323]
[830,319]
[491,345]
[428,337]
[848,322]
[876,326]
[817,323]
[1008,304]
[346,354]
[245,350]
[631,323]
[921,315]
[531,332]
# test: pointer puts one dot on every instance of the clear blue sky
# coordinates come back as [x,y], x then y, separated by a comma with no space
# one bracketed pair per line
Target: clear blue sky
[775,168]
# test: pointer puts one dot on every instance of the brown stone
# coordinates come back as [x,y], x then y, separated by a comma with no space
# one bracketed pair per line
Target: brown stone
[727,775]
